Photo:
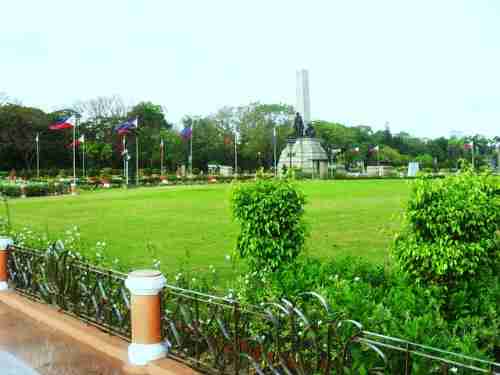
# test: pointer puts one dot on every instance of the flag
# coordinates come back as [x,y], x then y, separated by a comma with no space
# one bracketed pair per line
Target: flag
[127,125]
[186,133]
[66,122]
[76,143]
[375,149]
[82,138]
[469,145]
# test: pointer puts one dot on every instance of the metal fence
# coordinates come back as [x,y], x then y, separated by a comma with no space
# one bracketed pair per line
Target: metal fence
[218,336]
[94,295]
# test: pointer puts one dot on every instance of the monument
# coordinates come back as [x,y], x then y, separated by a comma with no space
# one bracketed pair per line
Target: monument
[303,150]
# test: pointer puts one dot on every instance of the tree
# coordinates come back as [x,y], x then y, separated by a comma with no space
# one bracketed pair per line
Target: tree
[18,128]
[391,155]
[102,108]
[256,123]
[425,160]
[152,120]
[99,152]
[450,233]
[100,116]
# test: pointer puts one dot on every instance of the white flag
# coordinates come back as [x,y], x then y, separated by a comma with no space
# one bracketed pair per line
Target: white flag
[82,138]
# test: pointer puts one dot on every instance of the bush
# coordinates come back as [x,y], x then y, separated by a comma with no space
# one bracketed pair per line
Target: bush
[52,172]
[93,172]
[272,230]
[37,189]
[449,236]
[384,301]
[10,190]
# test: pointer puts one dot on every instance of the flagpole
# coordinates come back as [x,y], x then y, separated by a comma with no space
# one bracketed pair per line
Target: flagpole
[472,155]
[137,157]
[378,160]
[235,154]
[37,156]
[74,150]
[124,142]
[274,149]
[83,156]
[161,157]
[191,150]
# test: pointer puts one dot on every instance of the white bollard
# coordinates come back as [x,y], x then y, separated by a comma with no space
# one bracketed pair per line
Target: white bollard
[4,273]
[146,346]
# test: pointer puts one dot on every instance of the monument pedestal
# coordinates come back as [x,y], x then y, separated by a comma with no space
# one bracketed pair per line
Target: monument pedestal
[305,154]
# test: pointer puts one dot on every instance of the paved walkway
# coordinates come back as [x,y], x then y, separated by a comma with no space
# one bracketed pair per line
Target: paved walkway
[29,348]
[10,365]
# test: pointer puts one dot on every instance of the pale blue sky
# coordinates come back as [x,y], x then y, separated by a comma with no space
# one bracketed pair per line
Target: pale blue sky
[426,67]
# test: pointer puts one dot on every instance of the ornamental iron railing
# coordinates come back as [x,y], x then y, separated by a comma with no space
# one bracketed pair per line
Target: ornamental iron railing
[219,336]
[94,295]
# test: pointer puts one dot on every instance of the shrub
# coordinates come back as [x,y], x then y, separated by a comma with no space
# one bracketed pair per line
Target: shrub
[38,189]
[93,172]
[272,230]
[383,300]
[10,190]
[449,235]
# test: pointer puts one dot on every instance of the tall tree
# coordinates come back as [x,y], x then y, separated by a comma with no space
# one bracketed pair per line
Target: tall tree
[152,121]
[18,128]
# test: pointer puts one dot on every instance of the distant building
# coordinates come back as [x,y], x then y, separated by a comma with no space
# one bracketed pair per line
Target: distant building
[221,170]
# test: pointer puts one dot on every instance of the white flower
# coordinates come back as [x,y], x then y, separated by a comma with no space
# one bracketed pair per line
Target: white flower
[357,278]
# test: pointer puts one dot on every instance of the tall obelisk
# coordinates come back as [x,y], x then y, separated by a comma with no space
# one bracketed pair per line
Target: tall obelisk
[303,98]
[304,151]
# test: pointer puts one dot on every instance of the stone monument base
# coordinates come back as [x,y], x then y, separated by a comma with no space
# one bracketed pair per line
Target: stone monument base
[305,154]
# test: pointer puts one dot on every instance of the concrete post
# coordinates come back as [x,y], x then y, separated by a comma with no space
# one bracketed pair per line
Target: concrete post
[146,346]
[4,275]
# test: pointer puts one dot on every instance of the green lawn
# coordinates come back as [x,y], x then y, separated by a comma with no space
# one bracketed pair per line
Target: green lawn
[345,217]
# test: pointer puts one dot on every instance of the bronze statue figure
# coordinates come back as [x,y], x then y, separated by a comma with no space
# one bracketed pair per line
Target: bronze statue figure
[298,125]
[310,131]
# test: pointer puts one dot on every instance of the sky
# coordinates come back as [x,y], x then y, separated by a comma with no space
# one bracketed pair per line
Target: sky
[426,67]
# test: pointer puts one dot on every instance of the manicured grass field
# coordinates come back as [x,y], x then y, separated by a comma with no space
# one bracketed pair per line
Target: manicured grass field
[345,217]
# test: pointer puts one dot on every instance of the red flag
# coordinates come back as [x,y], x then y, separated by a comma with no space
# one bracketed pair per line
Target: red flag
[63,123]
[468,145]
[76,142]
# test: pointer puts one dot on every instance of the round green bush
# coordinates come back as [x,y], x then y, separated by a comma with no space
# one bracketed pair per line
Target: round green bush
[450,232]
[270,214]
